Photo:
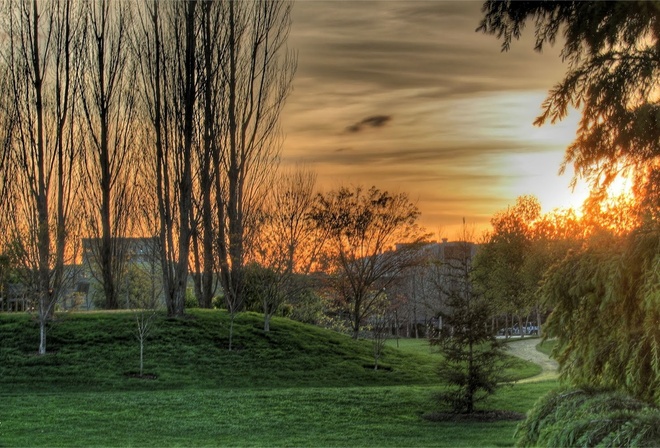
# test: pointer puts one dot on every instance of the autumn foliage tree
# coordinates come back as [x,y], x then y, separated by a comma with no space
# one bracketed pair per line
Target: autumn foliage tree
[501,262]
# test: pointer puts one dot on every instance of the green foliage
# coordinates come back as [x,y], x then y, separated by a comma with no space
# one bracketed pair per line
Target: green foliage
[500,264]
[471,366]
[511,264]
[306,306]
[191,301]
[140,287]
[471,353]
[587,417]
[260,288]
[10,269]
[606,303]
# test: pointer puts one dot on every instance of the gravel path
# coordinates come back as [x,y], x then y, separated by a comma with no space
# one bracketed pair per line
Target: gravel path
[526,349]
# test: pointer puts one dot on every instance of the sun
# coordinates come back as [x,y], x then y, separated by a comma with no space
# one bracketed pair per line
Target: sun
[621,186]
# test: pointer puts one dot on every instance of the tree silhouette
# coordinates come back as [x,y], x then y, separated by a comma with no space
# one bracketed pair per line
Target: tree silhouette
[363,227]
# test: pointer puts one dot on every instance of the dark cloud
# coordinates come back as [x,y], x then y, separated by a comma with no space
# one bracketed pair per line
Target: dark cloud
[448,156]
[374,121]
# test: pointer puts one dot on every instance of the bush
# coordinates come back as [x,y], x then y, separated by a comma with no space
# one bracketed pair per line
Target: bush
[191,300]
[583,417]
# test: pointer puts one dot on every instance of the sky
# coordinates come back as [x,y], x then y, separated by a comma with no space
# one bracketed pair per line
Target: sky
[406,96]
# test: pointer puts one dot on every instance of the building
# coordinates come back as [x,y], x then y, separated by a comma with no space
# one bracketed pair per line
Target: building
[426,287]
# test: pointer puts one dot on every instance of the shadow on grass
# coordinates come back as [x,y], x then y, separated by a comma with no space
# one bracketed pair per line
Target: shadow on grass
[475,417]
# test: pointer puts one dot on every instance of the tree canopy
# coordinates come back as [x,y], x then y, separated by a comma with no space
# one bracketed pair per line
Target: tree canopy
[605,291]
[605,299]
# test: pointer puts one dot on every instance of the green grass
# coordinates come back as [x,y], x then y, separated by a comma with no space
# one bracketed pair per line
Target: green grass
[298,385]
[95,351]
[362,416]
[516,367]
[546,346]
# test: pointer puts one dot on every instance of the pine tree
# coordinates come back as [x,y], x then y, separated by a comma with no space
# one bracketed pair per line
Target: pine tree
[472,355]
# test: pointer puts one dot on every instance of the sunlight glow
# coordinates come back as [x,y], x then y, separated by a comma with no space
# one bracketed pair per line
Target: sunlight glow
[537,174]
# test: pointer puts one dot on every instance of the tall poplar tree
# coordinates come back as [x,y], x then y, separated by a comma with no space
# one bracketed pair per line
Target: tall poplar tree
[41,62]
[108,99]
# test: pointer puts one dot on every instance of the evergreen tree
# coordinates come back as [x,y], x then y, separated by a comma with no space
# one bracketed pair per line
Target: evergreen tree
[605,318]
[472,355]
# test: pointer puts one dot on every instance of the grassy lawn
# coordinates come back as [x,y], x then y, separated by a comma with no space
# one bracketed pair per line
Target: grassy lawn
[297,386]
[546,346]
[363,416]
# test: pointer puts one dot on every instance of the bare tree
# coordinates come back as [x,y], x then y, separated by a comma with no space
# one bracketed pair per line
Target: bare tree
[143,291]
[288,243]
[109,116]
[40,56]
[167,42]
[205,229]
[155,75]
[380,326]
[215,77]
[363,228]
[256,76]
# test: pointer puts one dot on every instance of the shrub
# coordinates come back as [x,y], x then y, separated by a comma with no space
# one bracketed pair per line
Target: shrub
[584,417]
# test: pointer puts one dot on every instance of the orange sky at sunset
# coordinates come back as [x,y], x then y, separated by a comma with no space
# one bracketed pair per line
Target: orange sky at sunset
[408,97]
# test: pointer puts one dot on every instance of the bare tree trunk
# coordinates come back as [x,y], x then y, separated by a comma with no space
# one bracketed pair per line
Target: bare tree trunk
[207,171]
[43,225]
[185,183]
[108,102]
[357,317]
[267,317]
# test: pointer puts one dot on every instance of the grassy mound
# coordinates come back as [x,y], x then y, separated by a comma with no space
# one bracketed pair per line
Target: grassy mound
[99,351]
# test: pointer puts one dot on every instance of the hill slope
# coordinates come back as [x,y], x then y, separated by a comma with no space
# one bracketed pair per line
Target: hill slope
[99,351]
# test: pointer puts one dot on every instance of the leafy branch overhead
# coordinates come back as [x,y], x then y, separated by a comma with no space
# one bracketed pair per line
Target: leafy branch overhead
[613,55]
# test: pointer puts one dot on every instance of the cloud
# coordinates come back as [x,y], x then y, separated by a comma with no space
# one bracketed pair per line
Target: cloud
[463,108]
[374,121]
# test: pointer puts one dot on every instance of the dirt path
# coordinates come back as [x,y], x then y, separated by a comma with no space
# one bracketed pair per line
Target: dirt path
[526,349]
